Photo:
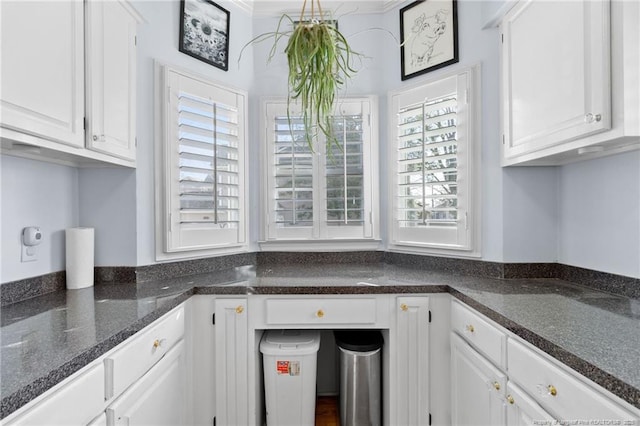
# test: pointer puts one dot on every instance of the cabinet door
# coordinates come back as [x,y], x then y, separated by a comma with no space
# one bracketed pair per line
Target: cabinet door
[158,398]
[42,61]
[411,352]
[524,411]
[555,73]
[231,362]
[111,78]
[477,387]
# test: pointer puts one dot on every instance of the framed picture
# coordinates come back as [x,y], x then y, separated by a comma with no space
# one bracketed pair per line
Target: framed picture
[204,32]
[429,34]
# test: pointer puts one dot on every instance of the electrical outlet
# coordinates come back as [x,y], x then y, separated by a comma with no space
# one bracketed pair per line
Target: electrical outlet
[29,253]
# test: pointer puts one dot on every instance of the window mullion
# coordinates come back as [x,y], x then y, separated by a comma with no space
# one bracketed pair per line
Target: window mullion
[215,164]
[344,167]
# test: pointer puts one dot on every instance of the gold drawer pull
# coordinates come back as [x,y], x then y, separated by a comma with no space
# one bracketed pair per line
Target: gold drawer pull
[320,313]
[470,328]
[496,386]
[156,344]
[240,309]
[510,400]
[404,307]
[552,390]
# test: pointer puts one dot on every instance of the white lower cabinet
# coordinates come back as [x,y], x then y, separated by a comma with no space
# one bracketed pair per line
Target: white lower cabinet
[231,359]
[533,389]
[560,391]
[477,387]
[158,398]
[523,410]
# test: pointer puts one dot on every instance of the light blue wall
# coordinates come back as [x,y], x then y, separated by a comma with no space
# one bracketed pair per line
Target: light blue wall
[600,214]
[158,40]
[35,194]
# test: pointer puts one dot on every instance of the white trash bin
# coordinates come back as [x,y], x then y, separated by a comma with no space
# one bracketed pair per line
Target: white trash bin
[289,361]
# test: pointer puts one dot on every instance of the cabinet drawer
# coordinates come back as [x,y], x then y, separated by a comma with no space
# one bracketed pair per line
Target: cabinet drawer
[478,332]
[321,311]
[557,390]
[75,402]
[136,357]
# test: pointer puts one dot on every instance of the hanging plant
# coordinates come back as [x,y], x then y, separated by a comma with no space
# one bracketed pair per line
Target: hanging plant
[319,59]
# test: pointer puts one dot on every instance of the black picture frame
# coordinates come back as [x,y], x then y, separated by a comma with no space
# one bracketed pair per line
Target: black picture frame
[429,36]
[204,32]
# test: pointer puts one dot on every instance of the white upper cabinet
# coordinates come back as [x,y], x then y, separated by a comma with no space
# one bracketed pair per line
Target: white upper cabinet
[68,81]
[42,70]
[568,86]
[111,78]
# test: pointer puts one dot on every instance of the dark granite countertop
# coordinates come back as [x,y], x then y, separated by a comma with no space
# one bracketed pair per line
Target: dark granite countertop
[47,338]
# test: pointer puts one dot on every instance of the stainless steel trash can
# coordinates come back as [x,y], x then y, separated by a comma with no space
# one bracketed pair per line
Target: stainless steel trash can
[360,377]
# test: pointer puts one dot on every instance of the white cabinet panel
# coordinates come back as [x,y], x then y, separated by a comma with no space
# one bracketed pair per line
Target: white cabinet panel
[111,78]
[557,390]
[556,81]
[138,355]
[318,311]
[569,91]
[524,411]
[158,398]
[42,69]
[410,350]
[477,387]
[231,362]
[488,339]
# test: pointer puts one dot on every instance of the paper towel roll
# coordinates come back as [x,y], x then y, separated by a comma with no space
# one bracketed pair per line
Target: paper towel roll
[79,254]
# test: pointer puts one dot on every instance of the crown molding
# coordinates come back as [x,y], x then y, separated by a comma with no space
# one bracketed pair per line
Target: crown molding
[270,8]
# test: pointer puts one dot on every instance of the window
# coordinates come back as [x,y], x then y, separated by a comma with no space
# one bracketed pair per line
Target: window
[203,171]
[434,180]
[320,193]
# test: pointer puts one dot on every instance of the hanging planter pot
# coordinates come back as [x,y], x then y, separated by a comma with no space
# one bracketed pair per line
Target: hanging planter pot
[319,59]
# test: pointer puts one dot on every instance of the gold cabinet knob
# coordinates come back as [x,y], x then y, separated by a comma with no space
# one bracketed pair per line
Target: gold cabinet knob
[156,344]
[510,400]
[496,386]
[239,309]
[320,313]
[470,328]
[552,390]
[404,307]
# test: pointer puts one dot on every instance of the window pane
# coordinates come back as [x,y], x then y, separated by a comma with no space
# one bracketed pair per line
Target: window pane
[208,160]
[427,164]
[344,173]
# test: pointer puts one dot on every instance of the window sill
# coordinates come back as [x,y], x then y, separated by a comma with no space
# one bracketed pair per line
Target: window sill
[320,245]
[434,250]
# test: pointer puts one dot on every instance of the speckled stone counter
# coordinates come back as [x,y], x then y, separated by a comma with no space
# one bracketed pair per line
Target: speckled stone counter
[48,338]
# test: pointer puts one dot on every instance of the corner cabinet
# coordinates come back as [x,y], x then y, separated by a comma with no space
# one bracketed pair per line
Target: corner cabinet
[570,91]
[111,78]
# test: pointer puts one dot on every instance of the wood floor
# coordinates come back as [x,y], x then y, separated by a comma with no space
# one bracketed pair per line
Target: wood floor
[327,411]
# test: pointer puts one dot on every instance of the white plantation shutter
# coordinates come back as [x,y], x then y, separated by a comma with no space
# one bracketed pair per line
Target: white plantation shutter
[315,193]
[432,160]
[204,153]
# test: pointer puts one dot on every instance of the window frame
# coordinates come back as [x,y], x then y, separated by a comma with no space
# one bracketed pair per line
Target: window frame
[320,236]
[471,223]
[165,165]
